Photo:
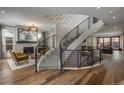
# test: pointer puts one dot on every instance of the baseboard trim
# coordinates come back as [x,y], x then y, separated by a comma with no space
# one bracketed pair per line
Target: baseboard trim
[87,67]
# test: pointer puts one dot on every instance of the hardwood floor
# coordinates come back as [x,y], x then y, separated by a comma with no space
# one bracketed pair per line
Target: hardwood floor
[111,72]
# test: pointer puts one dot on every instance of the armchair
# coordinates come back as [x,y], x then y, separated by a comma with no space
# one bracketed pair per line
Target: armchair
[18,57]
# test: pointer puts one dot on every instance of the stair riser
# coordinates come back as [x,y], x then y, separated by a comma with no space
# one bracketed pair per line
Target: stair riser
[49,62]
[52,57]
[48,67]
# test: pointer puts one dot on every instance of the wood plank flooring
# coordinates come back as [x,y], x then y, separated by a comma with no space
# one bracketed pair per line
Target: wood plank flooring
[111,72]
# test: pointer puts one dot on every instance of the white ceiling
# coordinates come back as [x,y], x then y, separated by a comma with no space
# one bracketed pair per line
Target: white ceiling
[36,15]
[110,31]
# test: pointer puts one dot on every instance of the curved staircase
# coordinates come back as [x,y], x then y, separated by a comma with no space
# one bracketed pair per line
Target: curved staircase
[50,61]
[53,58]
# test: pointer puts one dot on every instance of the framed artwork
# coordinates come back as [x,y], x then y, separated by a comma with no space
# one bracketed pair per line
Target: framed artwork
[27,36]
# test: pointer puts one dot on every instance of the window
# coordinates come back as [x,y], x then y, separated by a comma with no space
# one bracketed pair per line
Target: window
[107,42]
[115,42]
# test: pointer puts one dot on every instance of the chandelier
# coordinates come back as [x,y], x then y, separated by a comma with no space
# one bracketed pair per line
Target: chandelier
[33,28]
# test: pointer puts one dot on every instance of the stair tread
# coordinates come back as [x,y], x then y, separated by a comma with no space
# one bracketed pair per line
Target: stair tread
[51,62]
[52,56]
[50,59]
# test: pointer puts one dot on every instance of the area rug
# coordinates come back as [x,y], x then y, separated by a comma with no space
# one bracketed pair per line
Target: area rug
[14,66]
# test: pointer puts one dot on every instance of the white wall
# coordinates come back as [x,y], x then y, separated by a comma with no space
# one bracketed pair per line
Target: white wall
[109,31]
[50,40]
[67,24]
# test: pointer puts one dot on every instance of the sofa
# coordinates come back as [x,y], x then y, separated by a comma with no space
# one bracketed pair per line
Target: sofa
[107,50]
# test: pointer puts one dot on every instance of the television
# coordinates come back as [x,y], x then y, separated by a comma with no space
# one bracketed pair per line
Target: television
[28,49]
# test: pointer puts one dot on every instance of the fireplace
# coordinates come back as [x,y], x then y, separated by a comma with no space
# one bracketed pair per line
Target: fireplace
[28,49]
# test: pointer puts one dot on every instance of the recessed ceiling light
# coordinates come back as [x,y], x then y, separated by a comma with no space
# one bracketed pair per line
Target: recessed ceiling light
[2,11]
[114,17]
